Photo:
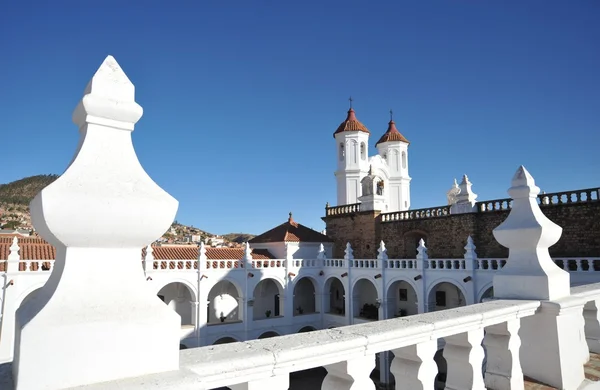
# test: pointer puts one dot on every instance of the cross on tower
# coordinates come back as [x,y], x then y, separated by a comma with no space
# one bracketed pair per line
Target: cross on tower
[350,101]
[391,115]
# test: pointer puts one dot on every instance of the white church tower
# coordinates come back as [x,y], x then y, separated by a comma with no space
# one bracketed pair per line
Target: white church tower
[393,148]
[352,144]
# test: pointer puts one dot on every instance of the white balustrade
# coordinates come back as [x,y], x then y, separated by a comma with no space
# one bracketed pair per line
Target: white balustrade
[348,354]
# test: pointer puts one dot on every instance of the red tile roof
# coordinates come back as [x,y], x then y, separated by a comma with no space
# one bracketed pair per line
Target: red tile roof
[392,134]
[290,231]
[38,249]
[351,124]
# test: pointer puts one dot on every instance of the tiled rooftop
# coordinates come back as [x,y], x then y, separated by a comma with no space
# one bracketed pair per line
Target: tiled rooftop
[290,231]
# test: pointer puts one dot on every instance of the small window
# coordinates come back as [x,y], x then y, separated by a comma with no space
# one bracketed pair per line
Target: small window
[363,151]
[403,160]
[342,152]
[403,294]
[385,156]
[440,298]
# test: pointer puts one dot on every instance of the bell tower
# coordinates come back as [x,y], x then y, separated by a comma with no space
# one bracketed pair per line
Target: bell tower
[352,149]
[393,147]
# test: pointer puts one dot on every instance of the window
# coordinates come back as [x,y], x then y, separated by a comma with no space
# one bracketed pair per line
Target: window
[403,160]
[403,294]
[342,153]
[363,151]
[440,298]
[385,156]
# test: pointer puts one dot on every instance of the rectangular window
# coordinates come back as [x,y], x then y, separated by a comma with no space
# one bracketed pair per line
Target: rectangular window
[440,298]
[403,294]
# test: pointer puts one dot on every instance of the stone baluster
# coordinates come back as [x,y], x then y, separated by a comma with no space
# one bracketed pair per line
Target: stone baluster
[591,314]
[279,382]
[414,367]
[503,368]
[578,262]
[591,265]
[349,258]
[464,358]
[530,273]
[350,374]
[101,210]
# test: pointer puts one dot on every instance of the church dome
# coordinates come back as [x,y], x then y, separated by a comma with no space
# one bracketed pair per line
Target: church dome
[351,124]
[392,134]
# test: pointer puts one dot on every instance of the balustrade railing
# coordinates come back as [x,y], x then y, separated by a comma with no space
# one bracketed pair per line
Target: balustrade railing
[552,199]
[489,264]
[224,264]
[262,264]
[307,263]
[431,212]
[341,210]
[348,353]
[401,264]
[362,263]
[36,265]
[335,263]
[445,264]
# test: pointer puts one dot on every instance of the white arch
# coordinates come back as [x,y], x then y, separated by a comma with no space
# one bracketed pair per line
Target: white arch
[306,326]
[371,280]
[230,280]
[223,336]
[190,286]
[483,290]
[279,281]
[454,282]
[410,281]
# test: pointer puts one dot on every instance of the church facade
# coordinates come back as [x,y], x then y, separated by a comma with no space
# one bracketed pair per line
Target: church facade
[373,205]
[388,169]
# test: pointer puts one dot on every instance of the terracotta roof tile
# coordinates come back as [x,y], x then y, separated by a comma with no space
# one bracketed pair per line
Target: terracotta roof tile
[290,231]
[351,124]
[38,249]
[392,134]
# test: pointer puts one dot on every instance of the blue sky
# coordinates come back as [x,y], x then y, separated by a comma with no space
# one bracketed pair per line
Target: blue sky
[241,98]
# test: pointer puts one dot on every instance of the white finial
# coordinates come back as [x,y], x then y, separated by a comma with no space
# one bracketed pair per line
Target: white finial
[349,252]
[470,249]
[104,207]
[452,194]
[529,272]
[382,251]
[422,250]
[464,199]
[202,251]
[149,253]
[321,254]
[247,252]
[14,250]
[109,99]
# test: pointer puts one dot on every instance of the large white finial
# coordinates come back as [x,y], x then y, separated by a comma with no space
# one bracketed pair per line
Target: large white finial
[529,272]
[349,253]
[101,210]
[464,199]
[453,193]
[202,251]
[382,251]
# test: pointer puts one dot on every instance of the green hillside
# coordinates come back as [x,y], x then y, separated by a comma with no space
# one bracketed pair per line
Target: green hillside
[22,191]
